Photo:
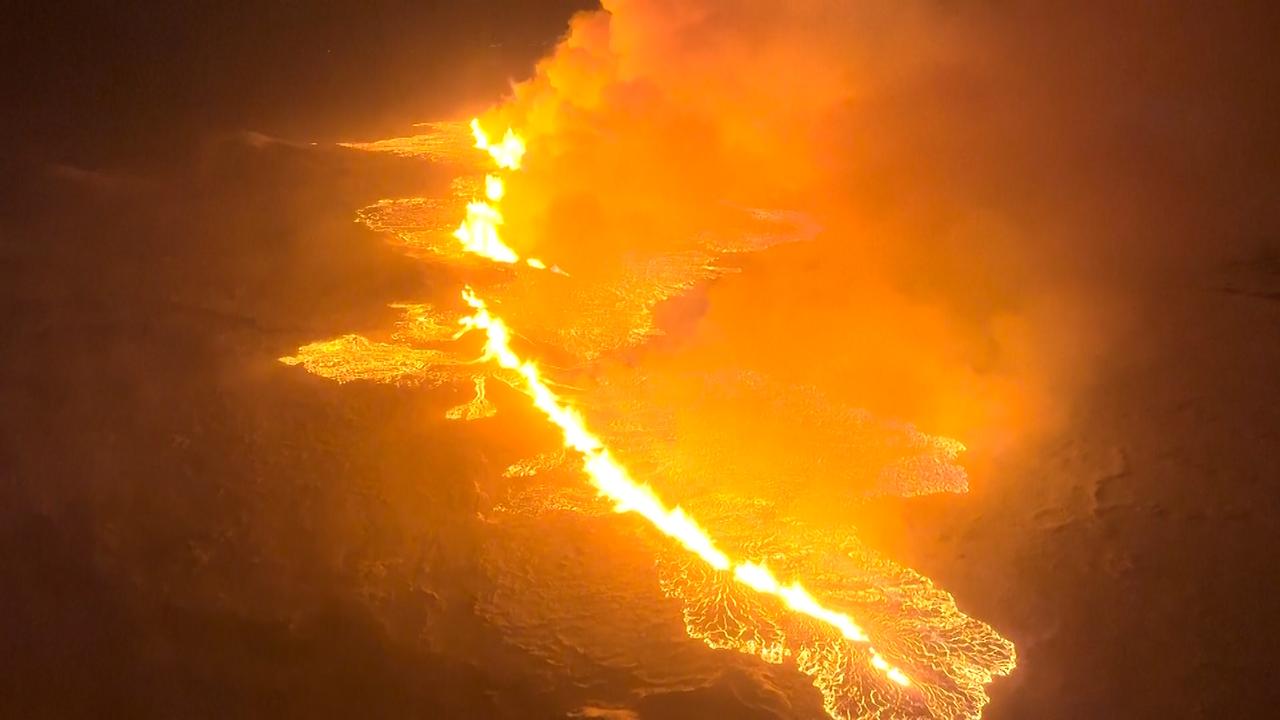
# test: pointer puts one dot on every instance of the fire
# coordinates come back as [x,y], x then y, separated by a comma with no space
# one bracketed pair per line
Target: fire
[494,188]
[950,657]
[507,154]
[609,477]
[613,481]
[479,233]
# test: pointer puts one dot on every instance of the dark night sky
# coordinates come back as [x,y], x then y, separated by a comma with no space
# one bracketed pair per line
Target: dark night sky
[93,78]
[176,539]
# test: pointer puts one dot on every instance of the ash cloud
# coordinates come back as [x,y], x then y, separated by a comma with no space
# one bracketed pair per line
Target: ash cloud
[995,181]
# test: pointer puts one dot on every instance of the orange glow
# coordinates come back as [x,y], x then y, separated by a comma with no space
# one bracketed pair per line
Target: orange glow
[479,232]
[758,577]
[494,189]
[609,476]
[613,481]
[507,153]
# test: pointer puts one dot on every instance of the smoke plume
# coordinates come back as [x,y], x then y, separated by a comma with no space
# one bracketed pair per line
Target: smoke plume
[981,174]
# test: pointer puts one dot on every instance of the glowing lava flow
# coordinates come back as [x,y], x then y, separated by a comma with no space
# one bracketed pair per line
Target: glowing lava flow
[727,580]
[478,233]
[507,153]
[613,481]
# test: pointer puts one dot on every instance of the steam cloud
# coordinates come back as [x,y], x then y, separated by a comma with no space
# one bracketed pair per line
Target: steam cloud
[983,174]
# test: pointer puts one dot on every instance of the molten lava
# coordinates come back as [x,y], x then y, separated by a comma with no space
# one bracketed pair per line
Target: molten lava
[609,477]
[613,481]
[732,597]
[478,233]
[507,153]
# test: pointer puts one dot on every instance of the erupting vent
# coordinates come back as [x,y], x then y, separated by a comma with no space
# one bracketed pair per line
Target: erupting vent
[877,640]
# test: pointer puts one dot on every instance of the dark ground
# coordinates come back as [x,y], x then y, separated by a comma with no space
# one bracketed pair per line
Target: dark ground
[183,520]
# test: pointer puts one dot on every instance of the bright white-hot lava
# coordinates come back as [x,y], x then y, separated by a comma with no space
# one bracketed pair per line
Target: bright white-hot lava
[507,153]
[609,476]
[613,481]
[950,657]
[479,232]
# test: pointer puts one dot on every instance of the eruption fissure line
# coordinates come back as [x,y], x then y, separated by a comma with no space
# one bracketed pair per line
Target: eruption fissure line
[613,481]
[479,234]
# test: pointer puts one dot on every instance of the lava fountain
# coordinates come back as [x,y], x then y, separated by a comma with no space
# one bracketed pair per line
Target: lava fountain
[910,653]
[608,476]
